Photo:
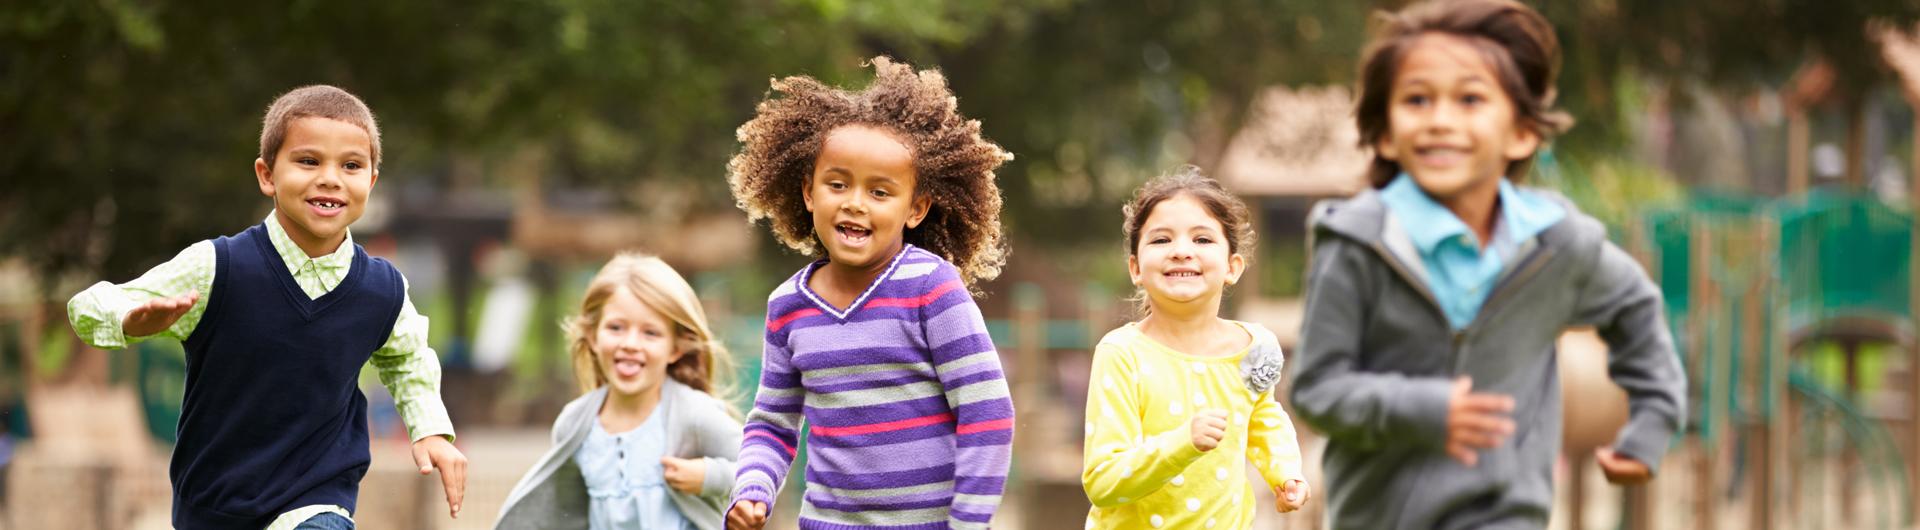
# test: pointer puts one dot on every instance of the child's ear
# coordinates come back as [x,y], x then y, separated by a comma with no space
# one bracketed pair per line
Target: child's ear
[375,179]
[1133,270]
[264,175]
[806,192]
[1236,265]
[1386,149]
[921,205]
[1525,142]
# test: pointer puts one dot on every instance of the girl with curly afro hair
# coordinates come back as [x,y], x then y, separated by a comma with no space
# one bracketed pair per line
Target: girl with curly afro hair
[880,338]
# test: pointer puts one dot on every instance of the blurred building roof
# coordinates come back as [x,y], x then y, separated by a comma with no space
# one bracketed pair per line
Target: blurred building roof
[685,237]
[1297,143]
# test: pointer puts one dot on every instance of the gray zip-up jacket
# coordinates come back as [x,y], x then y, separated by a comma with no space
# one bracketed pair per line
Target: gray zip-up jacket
[1377,359]
[553,495]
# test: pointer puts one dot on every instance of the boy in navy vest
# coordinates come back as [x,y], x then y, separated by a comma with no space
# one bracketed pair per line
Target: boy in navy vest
[278,321]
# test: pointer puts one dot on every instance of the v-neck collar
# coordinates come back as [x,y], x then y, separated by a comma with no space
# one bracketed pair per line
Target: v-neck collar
[836,313]
[310,308]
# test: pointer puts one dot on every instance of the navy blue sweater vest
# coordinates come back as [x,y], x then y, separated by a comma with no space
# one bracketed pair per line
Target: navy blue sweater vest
[273,417]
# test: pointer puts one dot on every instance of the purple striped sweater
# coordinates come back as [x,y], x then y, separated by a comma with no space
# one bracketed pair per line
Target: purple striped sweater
[911,423]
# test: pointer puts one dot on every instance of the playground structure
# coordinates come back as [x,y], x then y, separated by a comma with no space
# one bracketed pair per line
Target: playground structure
[1785,311]
[1796,318]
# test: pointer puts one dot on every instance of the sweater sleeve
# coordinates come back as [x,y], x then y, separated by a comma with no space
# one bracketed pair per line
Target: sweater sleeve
[719,444]
[772,428]
[1272,445]
[976,390]
[1330,390]
[1625,306]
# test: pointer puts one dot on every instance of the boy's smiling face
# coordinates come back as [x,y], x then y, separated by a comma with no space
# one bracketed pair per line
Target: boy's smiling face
[862,196]
[1450,123]
[319,181]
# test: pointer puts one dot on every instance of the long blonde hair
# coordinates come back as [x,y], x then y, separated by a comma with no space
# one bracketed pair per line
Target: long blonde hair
[704,365]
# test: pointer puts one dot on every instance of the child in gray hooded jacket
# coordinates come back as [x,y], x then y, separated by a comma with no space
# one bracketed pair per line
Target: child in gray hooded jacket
[1434,300]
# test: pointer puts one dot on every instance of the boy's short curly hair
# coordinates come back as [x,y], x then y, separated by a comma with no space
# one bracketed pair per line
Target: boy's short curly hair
[315,101]
[953,163]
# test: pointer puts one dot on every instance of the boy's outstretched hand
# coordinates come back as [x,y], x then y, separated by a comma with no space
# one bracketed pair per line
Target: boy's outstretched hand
[1476,421]
[1622,469]
[1292,495]
[747,515]
[157,314]
[435,452]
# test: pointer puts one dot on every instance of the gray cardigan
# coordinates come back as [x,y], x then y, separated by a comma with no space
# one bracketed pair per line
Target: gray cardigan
[554,495]
[1377,357]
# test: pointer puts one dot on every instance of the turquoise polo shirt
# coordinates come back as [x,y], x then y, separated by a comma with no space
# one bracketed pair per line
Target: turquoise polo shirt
[1458,272]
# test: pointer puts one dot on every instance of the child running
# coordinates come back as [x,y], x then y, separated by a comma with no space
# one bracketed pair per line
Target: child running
[878,346]
[648,446]
[1433,301]
[1181,400]
[278,321]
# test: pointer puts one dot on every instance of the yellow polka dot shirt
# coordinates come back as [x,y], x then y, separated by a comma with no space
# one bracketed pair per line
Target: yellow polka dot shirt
[1141,469]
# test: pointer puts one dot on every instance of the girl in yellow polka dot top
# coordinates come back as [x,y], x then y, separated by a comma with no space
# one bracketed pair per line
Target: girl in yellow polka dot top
[1182,400]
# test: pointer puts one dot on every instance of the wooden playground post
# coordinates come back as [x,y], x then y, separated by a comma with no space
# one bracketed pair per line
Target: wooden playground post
[1798,144]
[1912,92]
[1759,323]
[1913,304]
[1759,373]
[1699,286]
[1900,47]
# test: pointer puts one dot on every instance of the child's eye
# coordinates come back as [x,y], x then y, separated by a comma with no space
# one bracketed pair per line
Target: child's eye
[353,166]
[1158,240]
[308,161]
[1415,100]
[1472,100]
[836,186]
[881,193]
[1204,240]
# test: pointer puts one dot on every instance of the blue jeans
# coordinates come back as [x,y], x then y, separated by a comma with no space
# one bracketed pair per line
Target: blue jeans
[326,521]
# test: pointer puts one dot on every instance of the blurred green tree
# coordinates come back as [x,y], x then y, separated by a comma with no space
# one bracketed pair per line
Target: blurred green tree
[130,124]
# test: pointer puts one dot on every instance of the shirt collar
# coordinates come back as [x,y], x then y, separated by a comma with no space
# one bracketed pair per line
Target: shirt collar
[296,258]
[1425,220]
[1527,214]
[1522,215]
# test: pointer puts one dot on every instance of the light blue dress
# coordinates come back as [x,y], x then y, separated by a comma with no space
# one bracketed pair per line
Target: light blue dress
[625,481]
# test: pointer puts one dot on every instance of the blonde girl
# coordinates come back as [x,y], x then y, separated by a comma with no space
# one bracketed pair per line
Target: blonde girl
[647,445]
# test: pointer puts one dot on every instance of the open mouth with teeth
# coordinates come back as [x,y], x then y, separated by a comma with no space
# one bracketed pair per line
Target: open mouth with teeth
[1183,274]
[853,234]
[1440,154]
[327,206]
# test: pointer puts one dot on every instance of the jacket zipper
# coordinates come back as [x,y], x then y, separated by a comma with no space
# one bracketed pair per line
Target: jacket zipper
[1456,358]
[1528,267]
